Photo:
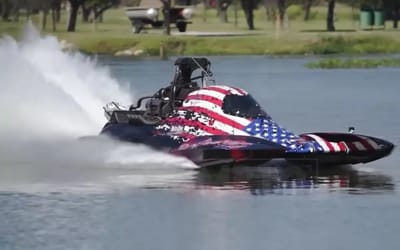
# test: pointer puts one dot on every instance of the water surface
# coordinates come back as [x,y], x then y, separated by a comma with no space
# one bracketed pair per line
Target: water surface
[143,200]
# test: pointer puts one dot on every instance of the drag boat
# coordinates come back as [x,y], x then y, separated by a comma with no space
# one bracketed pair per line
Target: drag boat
[214,125]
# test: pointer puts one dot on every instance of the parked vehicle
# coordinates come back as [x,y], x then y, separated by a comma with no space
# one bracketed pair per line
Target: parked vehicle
[150,13]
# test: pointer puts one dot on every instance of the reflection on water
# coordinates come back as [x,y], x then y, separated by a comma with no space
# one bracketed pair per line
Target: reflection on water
[284,179]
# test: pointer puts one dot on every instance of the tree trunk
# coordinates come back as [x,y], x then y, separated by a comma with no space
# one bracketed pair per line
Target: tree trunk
[86,10]
[330,20]
[6,9]
[54,19]
[29,10]
[57,9]
[73,15]
[235,13]
[94,22]
[44,18]
[307,9]
[223,15]
[396,13]
[99,10]
[281,10]
[205,7]
[270,7]
[248,8]
[15,10]
[167,18]
[269,13]
[28,14]
[223,10]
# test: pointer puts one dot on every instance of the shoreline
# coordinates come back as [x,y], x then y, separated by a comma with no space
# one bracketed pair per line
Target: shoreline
[164,46]
[213,38]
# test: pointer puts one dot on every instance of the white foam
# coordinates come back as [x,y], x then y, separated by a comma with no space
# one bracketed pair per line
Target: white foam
[43,86]
[49,98]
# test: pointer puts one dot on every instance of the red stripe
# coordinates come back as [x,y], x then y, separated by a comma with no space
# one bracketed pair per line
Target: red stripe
[328,143]
[331,148]
[184,122]
[352,147]
[240,91]
[238,154]
[220,90]
[216,117]
[366,144]
[361,140]
[307,138]
[207,98]
[342,146]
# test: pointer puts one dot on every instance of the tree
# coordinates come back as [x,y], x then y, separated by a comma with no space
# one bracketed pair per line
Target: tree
[53,6]
[282,10]
[86,10]
[11,8]
[97,7]
[73,15]
[307,9]
[206,4]
[6,8]
[223,6]
[167,17]
[393,7]
[330,19]
[248,8]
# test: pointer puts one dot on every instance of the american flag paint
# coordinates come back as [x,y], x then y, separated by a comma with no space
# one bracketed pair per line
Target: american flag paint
[202,114]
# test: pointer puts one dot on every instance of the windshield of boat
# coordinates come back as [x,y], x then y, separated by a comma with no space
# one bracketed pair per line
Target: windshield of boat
[242,106]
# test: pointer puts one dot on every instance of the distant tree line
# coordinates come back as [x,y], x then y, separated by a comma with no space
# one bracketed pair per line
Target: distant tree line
[391,8]
[95,8]
[276,9]
[11,10]
[92,10]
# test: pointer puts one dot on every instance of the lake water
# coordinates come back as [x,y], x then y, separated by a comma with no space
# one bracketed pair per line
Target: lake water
[57,193]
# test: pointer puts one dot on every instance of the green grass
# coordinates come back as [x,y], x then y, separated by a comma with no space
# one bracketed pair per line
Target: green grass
[360,44]
[297,38]
[354,63]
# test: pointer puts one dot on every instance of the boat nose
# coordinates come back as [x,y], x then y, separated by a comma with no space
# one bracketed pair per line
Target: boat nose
[385,147]
[389,146]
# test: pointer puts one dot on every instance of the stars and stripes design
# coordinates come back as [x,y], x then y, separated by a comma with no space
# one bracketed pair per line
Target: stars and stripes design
[271,131]
[351,143]
[201,114]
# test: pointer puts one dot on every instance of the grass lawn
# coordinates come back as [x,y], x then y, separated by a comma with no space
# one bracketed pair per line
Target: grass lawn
[297,37]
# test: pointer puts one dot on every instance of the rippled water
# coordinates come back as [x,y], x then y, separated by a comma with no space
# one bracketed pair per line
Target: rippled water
[63,193]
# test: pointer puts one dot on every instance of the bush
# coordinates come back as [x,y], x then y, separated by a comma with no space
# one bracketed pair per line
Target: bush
[295,11]
[334,63]
[354,45]
[130,2]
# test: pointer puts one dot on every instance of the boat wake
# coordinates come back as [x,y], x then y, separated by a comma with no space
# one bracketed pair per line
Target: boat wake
[48,99]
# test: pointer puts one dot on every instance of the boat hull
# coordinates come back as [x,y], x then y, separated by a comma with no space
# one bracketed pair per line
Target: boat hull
[231,150]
